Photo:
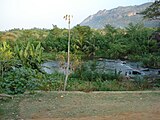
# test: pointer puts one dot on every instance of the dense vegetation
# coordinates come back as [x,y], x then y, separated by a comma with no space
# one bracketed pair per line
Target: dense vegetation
[23,51]
[152,12]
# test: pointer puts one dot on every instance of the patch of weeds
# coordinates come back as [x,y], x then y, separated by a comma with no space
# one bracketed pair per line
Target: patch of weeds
[53,81]
[77,85]
[113,86]
[141,84]
[98,85]
[156,83]
[128,85]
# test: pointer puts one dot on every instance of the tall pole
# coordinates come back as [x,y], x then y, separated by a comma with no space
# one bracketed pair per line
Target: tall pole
[68,19]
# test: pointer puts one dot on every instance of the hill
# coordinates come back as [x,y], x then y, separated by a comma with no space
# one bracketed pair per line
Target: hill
[119,17]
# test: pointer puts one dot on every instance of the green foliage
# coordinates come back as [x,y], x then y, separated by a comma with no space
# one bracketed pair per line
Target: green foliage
[52,82]
[141,84]
[135,58]
[89,72]
[20,68]
[151,60]
[153,11]
[22,79]
[56,40]
[46,56]
[82,40]
[101,44]
[6,56]
[111,85]
[19,80]
[138,37]
[29,55]
[5,52]
[117,50]
[16,79]
[31,34]
[109,42]
[110,33]
[157,83]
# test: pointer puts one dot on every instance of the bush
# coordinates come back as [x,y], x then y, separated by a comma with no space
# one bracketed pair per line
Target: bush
[157,83]
[30,55]
[19,80]
[89,72]
[6,58]
[134,57]
[53,81]
[141,83]
[151,61]
[23,79]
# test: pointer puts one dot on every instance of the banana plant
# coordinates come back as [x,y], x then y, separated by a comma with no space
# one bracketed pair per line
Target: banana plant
[30,55]
[5,57]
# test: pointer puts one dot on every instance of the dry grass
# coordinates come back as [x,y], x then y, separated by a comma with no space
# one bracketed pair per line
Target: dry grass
[87,106]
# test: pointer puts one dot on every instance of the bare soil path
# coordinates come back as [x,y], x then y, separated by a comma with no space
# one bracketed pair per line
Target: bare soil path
[139,105]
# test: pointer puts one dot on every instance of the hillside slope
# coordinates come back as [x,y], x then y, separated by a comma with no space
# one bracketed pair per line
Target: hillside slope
[119,17]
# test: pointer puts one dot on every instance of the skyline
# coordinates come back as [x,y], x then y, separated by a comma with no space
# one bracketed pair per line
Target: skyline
[28,14]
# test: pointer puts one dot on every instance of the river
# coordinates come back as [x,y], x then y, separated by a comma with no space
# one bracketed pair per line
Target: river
[125,68]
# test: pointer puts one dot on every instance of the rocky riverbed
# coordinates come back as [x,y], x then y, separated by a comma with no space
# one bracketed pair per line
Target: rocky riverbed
[125,68]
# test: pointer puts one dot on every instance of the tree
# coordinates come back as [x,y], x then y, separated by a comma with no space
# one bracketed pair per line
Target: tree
[68,19]
[110,33]
[56,41]
[153,11]
[82,38]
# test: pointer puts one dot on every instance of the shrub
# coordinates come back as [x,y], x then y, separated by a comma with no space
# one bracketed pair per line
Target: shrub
[52,82]
[151,61]
[30,55]
[19,80]
[6,55]
[88,72]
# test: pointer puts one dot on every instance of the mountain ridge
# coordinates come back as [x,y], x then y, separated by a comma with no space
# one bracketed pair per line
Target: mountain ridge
[118,17]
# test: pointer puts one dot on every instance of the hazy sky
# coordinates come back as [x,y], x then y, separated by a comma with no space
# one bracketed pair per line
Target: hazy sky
[44,13]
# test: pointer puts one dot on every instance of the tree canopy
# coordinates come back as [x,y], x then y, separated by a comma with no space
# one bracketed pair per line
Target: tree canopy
[153,11]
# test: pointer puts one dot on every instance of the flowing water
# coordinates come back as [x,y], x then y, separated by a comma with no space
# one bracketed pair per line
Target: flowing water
[123,67]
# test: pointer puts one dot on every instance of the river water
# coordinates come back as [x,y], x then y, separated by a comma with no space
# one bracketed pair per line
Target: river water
[124,67]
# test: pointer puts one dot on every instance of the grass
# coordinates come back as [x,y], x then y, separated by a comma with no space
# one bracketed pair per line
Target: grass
[110,85]
[78,104]
[9,108]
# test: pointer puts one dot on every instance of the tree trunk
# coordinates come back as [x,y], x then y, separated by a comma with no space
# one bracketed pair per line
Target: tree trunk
[68,58]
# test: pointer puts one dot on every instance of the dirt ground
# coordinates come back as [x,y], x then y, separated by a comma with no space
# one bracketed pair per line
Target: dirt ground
[93,106]
[89,106]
